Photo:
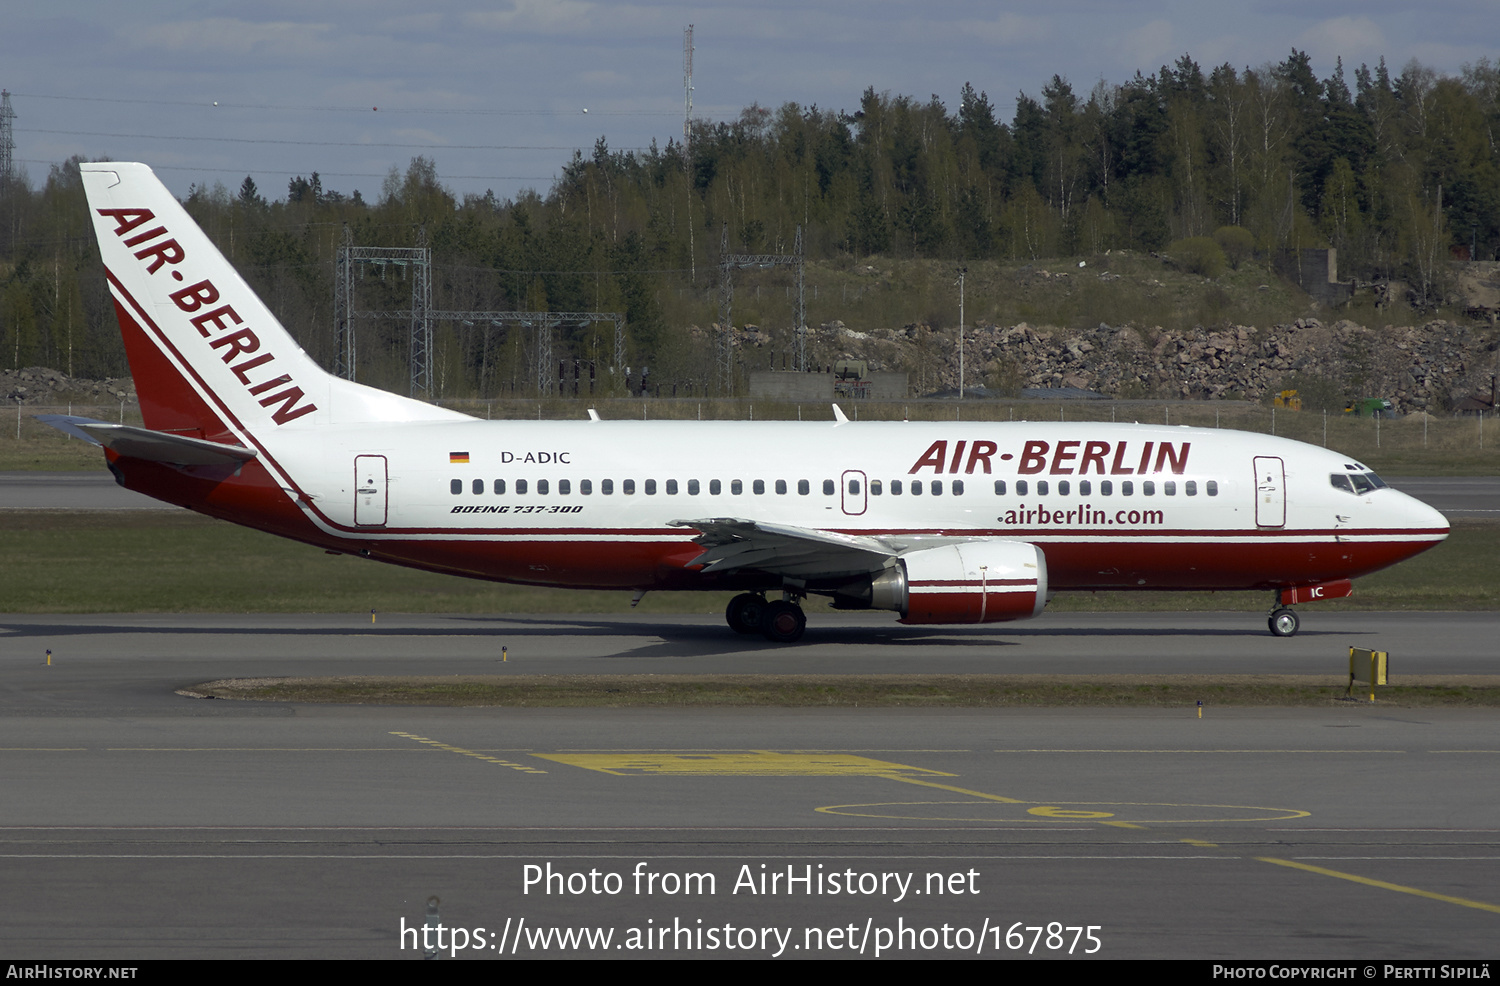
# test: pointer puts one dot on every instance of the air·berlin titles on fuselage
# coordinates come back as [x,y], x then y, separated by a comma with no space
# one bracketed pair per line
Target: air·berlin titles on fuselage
[1069,458]
[233,337]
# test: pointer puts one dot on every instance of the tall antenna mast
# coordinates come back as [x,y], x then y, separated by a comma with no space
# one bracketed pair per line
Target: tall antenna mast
[687,84]
[687,144]
[8,140]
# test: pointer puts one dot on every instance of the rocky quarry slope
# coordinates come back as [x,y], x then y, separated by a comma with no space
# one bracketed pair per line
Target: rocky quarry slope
[1421,367]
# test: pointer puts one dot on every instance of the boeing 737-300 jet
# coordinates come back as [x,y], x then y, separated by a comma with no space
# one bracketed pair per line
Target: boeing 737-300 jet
[940,523]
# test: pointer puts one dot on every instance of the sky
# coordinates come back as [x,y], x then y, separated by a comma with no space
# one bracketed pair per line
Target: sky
[499,95]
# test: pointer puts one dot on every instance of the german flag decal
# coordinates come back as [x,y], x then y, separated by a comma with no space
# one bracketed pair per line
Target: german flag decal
[458,458]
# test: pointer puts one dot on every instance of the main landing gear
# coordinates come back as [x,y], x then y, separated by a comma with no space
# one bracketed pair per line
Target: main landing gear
[781,621]
[1283,622]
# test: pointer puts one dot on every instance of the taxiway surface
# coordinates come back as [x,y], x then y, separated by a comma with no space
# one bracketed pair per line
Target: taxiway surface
[143,824]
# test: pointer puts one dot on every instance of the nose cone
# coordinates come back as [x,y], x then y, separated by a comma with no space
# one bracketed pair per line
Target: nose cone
[1424,525]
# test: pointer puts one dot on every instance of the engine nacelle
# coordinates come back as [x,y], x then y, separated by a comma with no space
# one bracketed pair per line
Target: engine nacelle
[974,582]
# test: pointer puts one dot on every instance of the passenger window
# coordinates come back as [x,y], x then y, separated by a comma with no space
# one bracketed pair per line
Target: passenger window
[853,487]
[895,487]
[714,487]
[781,486]
[999,487]
[1106,487]
[1169,487]
[456,487]
[1148,488]
[478,486]
[737,487]
[1213,487]
[521,486]
[564,486]
[1020,487]
[1190,487]
[1041,487]
[541,487]
[1085,487]
[692,487]
[650,487]
[627,487]
[607,486]
[830,488]
[803,487]
[671,487]
[759,486]
[937,488]
[916,487]
[585,486]
[1126,487]
[958,487]
[499,486]
[1062,487]
[874,487]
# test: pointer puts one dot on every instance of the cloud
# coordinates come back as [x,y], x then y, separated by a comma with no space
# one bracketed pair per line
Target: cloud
[1007,29]
[231,36]
[1150,44]
[1353,38]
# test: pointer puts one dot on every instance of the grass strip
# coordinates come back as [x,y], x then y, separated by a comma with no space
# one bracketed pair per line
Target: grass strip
[855,691]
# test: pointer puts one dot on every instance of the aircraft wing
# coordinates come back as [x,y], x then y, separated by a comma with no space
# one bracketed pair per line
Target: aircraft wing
[731,544]
[154,446]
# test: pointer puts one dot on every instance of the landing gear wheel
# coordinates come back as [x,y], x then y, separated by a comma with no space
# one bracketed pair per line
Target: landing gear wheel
[1284,623]
[784,622]
[746,613]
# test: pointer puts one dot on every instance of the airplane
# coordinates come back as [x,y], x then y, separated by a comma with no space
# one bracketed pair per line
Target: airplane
[941,523]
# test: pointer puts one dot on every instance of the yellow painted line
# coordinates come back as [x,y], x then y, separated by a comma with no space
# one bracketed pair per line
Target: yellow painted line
[956,790]
[1200,842]
[468,753]
[1398,888]
[744,763]
[1124,825]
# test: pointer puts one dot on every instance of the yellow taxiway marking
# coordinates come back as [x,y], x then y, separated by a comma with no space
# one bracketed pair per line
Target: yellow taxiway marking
[753,763]
[468,753]
[1398,888]
[1200,842]
[772,763]
[1069,811]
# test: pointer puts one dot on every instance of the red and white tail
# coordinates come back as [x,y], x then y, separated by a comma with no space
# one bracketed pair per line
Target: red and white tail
[209,359]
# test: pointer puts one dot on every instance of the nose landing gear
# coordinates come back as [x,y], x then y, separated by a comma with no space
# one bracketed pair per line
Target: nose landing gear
[1283,622]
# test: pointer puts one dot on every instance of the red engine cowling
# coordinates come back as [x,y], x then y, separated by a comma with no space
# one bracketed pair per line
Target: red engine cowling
[975,582]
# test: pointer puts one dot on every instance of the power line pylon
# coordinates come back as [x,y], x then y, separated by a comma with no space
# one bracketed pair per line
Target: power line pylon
[728,263]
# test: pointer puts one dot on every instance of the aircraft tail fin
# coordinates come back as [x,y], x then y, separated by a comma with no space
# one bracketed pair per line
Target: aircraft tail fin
[208,358]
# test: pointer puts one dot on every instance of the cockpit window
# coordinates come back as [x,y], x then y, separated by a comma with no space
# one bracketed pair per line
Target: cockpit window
[1358,483]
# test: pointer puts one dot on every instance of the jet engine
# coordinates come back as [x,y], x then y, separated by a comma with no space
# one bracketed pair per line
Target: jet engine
[972,582]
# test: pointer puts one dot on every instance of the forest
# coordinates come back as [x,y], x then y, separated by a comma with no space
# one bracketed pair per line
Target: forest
[1400,173]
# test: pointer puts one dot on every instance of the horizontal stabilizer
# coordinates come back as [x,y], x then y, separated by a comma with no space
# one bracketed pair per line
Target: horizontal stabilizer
[153,446]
